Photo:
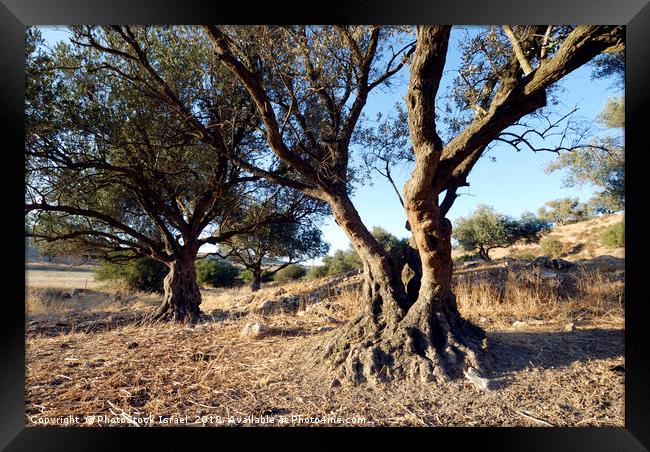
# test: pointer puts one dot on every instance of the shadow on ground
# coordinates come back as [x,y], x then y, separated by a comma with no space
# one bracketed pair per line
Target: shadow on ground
[517,350]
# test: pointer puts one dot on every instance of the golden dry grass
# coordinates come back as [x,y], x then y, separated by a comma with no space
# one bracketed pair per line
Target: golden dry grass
[210,375]
[524,294]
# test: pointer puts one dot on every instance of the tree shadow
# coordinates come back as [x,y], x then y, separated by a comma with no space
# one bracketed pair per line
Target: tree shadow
[516,350]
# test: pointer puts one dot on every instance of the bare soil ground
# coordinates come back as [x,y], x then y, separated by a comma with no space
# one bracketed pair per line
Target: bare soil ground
[561,359]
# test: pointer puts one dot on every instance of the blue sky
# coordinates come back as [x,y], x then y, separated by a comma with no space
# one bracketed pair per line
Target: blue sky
[513,184]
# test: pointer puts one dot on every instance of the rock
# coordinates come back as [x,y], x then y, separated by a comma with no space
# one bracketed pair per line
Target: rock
[481,383]
[322,329]
[562,264]
[484,320]
[330,319]
[545,274]
[265,307]
[570,327]
[130,345]
[335,383]
[300,313]
[518,324]
[542,262]
[255,329]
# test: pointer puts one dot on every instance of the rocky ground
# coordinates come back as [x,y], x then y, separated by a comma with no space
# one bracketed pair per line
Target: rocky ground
[250,363]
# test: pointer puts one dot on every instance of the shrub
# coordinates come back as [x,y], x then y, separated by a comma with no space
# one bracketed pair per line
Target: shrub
[523,254]
[342,262]
[614,235]
[144,274]
[552,247]
[247,276]
[290,273]
[216,273]
[317,271]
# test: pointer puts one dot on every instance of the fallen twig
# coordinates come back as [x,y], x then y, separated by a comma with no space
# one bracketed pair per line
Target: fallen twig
[527,416]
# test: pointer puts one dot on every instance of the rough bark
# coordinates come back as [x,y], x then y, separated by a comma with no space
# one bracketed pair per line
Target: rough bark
[410,326]
[182,296]
[256,282]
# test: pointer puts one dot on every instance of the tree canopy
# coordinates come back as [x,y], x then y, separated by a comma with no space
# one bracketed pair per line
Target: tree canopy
[601,164]
[486,229]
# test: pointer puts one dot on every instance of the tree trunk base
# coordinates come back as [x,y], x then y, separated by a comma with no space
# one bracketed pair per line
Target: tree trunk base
[438,348]
[168,313]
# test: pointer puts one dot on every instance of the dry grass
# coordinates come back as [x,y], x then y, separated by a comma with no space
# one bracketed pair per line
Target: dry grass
[69,278]
[210,375]
[510,295]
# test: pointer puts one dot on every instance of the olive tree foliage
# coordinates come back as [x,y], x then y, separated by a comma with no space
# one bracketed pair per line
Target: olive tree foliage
[113,171]
[602,164]
[564,211]
[486,229]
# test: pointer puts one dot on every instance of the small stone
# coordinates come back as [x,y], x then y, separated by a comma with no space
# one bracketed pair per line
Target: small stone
[331,319]
[322,329]
[265,307]
[481,383]
[300,313]
[254,329]
[130,345]
[518,324]
[570,327]
[543,262]
[484,320]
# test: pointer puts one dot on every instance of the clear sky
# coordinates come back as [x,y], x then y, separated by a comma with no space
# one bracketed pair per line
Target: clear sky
[513,184]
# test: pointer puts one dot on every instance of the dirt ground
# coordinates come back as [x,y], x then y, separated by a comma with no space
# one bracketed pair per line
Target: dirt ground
[104,369]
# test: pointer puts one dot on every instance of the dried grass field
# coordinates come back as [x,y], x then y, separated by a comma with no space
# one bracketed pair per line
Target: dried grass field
[559,343]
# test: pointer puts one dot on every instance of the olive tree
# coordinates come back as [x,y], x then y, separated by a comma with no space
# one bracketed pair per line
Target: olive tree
[309,85]
[113,172]
[486,229]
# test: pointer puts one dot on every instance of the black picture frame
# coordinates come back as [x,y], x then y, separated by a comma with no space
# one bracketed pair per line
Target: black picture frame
[15,14]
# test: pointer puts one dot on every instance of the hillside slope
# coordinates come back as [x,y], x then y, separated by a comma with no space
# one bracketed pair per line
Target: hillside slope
[582,240]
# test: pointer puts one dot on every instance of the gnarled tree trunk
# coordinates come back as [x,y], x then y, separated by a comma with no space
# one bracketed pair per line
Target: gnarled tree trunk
[182,296]
[410,326]
[256,281]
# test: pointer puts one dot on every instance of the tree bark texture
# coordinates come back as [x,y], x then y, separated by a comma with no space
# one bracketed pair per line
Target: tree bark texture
[182,296]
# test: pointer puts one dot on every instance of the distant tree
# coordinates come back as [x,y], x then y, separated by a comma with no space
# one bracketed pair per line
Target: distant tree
[342,261]
[601,164]
[485,229]
[270,248]
[564,211]
[290,273]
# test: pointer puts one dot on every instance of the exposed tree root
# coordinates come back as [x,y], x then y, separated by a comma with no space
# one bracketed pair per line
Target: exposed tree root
[437,348]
